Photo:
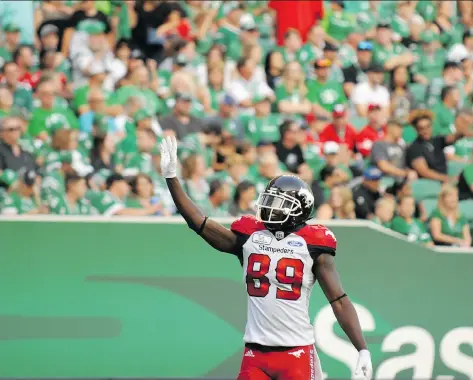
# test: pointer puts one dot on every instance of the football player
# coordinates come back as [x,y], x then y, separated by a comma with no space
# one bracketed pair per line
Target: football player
[282,257]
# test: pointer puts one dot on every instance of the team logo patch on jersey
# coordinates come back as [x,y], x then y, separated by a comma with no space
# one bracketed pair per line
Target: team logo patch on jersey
[295,243]
[297,353]
[261,239]
[279,235]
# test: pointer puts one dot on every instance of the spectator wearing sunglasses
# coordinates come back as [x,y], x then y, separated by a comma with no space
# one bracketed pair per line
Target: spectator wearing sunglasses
[11,155]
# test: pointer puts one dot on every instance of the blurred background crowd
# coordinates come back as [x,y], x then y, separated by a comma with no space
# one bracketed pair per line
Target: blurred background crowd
[371,103]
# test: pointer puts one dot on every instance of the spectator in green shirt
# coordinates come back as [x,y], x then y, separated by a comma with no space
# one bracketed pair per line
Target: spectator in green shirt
[111,201]
[12,34]
[452,75]
[384,212]
[243,200]
[313,48]
[25,198]
[292,44]
[340,205]
[73,202]
[445,110]
[338,23]
[448,225]
[431,58]
[324,93]
[195,185]
[47,114]
[22,95]
[406,224]
[219,195]
[388,53]
[142,195]
[291,92]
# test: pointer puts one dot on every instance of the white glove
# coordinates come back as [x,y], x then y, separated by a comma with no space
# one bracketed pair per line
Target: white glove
[364,369]
[168,150]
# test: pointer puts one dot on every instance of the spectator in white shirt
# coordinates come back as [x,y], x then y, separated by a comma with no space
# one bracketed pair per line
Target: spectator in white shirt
[246,84]
[371,91]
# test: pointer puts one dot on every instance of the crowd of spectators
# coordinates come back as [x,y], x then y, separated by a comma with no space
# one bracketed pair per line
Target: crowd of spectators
[374,109]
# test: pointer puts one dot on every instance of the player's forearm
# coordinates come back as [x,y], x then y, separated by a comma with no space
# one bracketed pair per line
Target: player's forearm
[212,232]
[348,319]
[189,211]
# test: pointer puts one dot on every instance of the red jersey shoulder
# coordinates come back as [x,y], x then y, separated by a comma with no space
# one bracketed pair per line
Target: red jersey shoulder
[318,235]
[247,224]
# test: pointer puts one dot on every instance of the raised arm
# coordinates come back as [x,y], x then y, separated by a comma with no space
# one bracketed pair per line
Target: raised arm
[343,309]
[212,232]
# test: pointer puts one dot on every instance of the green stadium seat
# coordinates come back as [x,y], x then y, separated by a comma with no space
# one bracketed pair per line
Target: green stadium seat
[386,182]
[418,91]
[455,167]
[466,208]
[409,134]
[429,205]
[358,122]
[425,189]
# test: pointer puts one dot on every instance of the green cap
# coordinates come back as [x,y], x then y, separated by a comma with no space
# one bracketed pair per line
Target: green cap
[142,114]
[56,126]
[101,123]
[92,27]
[8,177]
[11,28]
[428,36]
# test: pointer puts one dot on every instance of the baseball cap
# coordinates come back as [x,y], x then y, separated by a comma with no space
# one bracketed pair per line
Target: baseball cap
[142,114]
[28,177]
[56,126]
[383,24]
[330,47]
[428,36]
[322,62]
[365,46]
[228,100]
[373,107]
[372,173]
[338,110]
[92,27]
[8,177]
[247,22]
[331,147]
[376,68]
[48,29]
[183,96]
[11,27]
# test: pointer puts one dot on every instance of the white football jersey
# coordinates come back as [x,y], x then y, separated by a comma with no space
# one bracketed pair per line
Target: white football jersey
[279,280]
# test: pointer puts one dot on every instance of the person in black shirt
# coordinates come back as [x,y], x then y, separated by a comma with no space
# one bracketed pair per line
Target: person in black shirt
[86,12]
[146,32]
[289,151]
[11,155]
[356,72]
[366,194]
[426,155]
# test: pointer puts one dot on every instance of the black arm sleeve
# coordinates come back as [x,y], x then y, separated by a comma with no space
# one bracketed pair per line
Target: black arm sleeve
[216,235]
[315,251]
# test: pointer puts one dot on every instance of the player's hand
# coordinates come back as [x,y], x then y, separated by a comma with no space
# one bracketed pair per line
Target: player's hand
[168,150]
[364,368]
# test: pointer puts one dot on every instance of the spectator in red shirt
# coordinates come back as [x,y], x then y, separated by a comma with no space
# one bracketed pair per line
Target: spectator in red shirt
[373,131]
[23,57]
[339,131]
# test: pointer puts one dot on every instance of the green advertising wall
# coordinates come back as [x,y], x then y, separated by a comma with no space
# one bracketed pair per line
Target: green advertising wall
[152,300]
